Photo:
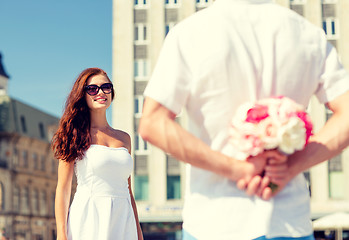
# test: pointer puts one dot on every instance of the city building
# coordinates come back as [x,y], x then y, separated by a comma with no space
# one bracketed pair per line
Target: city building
[28,171]
[139,28]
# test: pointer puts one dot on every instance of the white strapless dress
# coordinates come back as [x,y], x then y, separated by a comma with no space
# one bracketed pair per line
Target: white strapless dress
[101,208]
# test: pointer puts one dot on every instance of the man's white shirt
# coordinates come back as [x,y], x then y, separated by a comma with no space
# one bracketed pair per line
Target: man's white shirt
[230,53]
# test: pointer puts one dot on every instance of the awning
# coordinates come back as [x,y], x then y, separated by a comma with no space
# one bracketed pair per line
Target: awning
[339,220]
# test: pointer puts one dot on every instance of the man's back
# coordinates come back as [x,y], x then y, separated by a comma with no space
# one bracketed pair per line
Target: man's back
[233,52]
[261,49]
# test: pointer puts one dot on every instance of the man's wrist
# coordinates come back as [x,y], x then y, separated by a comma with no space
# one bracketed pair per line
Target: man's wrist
[232,169]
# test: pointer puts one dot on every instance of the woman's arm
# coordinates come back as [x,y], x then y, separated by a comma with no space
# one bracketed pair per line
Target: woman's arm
[62,200]
[127,142]
[133,203]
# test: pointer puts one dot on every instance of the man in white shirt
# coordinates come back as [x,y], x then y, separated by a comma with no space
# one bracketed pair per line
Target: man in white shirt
[230,53]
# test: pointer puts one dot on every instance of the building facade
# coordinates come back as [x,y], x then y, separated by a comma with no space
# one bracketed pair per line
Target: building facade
[28,171]
[139,28]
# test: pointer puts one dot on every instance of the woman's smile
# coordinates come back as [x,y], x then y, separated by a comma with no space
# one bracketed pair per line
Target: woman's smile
[101,99]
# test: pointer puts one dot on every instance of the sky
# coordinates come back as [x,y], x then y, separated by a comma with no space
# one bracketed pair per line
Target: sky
[45,44]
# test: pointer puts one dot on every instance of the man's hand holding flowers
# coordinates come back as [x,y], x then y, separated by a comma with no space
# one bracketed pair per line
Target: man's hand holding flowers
[277,124]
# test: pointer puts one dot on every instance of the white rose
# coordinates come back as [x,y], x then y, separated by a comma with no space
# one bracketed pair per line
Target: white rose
[268,130]
[292,136]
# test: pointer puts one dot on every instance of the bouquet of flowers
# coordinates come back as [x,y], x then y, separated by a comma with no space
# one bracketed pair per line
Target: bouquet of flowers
[271,123]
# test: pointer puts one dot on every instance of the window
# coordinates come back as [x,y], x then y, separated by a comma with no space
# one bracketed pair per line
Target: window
[141,146]
[2,196]
[172,3]
[25,200]
[42,130]
[173,187]
[203,3]
[140,33]
[15,156]
[43,163]
[330,26]
[141,3]
[35,202]
[141,190]
[168,27]
[25,158]
[173,171]
[53,234]
[139,100]
[35,161]
[53,196]
[16,199]
[53,166]
[141,180]
[38,237]
[141,69]
[23,124]
[336,178]
[298,1]
[335,173]
[43,203]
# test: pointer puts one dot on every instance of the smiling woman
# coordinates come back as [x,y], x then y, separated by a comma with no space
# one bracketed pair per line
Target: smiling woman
[73,136]
[103,206]
[95,98]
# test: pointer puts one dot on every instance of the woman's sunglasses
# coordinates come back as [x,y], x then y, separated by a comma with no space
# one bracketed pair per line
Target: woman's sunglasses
[93,89]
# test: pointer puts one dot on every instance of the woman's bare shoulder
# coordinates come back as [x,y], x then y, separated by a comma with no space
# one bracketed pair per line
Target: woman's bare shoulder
[123,137]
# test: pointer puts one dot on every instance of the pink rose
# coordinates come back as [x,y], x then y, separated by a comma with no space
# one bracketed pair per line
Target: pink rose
[307,124]
[245,141]
[251,144]
[257,113]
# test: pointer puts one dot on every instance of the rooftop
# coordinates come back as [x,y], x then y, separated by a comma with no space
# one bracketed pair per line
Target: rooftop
[18,118]
[2,69]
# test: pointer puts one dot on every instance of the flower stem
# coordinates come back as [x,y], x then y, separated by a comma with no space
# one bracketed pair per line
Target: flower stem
[273,187]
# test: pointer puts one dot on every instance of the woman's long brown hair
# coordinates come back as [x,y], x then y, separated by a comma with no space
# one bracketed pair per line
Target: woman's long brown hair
[73,138]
